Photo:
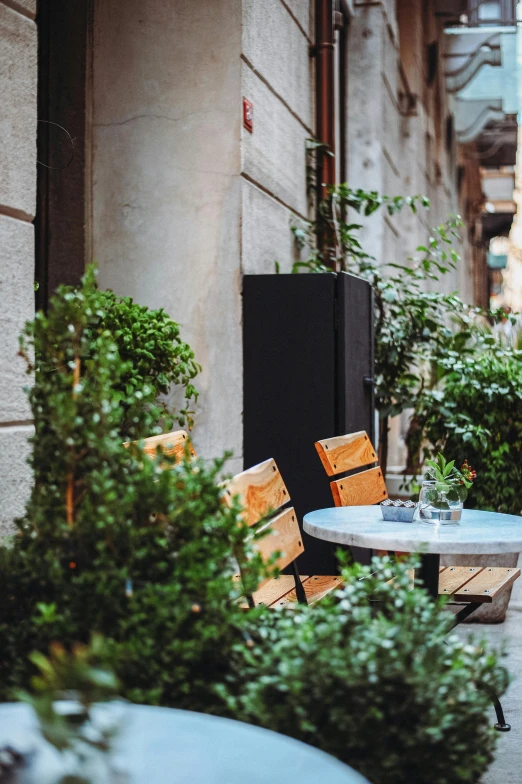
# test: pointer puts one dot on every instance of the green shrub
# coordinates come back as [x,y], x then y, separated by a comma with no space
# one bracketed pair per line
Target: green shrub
[150,342]
[110,543]
[476,415]
[377,685]
[152,355]
[158,587]
[413,326]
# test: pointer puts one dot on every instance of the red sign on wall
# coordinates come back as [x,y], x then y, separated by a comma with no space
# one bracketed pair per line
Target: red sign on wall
[248,115]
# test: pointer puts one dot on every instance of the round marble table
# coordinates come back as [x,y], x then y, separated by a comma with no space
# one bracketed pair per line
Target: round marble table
[164,746]
[363,526]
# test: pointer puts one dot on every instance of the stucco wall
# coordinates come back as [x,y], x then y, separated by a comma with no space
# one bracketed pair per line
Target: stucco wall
[396,152]
[277,78]
[166,185]
[18,46]
[185,200]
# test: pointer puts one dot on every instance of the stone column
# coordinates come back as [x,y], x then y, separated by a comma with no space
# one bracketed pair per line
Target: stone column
[18,78]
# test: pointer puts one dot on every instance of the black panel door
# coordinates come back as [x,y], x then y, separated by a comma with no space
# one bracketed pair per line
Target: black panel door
[307,348]
[355,356]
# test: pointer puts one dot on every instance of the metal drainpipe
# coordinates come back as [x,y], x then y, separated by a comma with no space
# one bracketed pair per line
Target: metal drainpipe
[325,117]
[324,52]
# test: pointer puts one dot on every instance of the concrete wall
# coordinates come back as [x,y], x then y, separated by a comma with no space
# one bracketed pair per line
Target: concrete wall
[400,152]
[18,47]
[185,200]
[277,77]
[166,185]
[394,151]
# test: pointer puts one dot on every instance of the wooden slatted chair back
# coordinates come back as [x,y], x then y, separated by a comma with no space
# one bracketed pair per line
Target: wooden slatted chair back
[172,444]
[262,492]
[347,453]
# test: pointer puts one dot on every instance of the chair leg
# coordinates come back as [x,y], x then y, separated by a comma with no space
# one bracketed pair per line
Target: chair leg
[501,725]
[466,611]
[299,590]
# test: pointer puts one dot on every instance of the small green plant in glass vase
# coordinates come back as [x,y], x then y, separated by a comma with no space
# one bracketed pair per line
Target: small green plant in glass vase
[444,491]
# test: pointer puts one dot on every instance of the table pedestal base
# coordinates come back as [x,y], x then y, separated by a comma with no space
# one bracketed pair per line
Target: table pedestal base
[429,573]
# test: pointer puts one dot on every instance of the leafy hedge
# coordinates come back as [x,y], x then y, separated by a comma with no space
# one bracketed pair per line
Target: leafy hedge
[476,415]
[152,357]
[376,684]
[109,542]
[158,587]
[150,342]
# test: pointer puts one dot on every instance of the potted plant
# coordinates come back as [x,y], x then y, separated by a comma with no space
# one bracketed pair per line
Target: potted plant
[442,495]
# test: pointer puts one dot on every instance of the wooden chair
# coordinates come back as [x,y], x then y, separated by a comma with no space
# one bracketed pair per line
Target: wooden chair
[470,585]
[263,493]
[172,444]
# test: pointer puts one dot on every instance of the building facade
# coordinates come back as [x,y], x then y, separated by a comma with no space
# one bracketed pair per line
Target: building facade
[18,88]
[191,121]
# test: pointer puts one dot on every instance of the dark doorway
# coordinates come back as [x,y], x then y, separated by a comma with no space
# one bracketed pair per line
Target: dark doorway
[63,190]
[307,375]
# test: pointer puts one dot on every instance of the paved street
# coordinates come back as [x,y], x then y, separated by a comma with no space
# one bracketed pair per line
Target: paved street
[507,768]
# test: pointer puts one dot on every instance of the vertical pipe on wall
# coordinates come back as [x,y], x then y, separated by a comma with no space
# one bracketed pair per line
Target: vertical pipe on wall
[324,47]
[41,220]
[325,108]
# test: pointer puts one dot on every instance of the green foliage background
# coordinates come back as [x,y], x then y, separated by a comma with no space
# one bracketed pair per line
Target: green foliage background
[434,354]
[475,414]
[413,326]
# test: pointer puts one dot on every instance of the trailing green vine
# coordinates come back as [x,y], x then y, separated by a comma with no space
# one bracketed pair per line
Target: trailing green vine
[413,327]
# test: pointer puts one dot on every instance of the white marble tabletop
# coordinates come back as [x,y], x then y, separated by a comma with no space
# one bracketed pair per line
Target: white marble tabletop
[363,526]
[165,746]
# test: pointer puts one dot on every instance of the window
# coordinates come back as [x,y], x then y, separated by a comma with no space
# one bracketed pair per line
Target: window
[489,11]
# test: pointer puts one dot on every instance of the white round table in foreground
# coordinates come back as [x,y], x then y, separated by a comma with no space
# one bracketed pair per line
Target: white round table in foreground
[166,746]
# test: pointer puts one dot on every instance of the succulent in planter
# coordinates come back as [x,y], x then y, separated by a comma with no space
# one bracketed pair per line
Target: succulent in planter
[444,492]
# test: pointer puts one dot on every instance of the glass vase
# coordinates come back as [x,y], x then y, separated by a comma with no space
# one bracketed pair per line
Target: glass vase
[435,508]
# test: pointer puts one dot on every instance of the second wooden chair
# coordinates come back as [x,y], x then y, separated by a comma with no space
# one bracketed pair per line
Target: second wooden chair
[263,494]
